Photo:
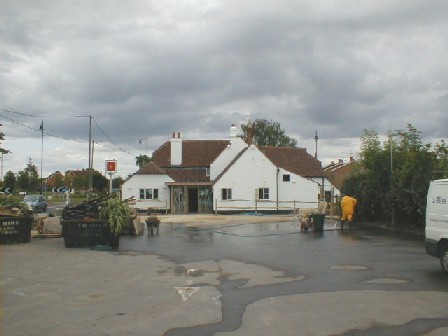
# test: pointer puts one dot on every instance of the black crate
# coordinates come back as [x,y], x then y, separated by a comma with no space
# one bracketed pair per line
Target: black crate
[15,229]
[88,233]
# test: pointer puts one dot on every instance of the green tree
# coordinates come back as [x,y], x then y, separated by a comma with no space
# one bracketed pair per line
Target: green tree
[372,182]
[28,179]
[117,182]
[99,182]
[9,180]
[2,137]
[393,180]
[412,171]
[143,159]
[268,133]
[80,182]
[440,159]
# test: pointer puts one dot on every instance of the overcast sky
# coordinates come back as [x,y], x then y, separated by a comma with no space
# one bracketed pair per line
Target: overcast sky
[143,69]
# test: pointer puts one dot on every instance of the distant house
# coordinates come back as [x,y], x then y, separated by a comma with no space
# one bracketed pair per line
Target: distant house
[55,180]
[338,171]
[203,176]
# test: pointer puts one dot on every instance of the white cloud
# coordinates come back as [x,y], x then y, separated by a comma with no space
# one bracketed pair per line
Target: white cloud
[148,68]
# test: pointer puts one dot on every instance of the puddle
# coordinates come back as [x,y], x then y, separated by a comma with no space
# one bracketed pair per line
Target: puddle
[386,281]
[349,268]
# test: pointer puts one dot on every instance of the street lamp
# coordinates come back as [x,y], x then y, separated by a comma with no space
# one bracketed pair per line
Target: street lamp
[391,135]
[140,141]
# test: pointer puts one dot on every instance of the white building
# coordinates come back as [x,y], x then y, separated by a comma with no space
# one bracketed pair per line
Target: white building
[205,176]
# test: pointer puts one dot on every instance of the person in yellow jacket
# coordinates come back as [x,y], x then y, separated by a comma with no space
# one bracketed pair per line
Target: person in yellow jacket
[348,205]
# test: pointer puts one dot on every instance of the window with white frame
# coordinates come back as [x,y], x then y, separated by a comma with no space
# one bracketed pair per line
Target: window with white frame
[263,193]
[226,193]
[149,194]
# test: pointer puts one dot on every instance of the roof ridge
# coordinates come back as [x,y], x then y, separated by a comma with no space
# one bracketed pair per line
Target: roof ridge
[231,164]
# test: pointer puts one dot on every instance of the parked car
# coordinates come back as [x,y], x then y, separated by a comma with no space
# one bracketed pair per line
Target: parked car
[37,203]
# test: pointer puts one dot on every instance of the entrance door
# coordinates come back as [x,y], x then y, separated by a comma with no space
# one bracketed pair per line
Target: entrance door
[178,200]
[193,200]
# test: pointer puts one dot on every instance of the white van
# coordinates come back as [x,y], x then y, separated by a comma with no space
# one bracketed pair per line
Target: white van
[436,231]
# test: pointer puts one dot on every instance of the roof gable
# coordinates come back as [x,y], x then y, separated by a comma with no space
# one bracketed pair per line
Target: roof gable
[150,168]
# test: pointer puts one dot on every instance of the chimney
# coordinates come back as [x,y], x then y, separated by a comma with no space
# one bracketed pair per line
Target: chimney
[233,131]
[176,149]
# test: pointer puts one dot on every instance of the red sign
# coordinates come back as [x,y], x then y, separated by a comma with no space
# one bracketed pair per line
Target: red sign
[111,166]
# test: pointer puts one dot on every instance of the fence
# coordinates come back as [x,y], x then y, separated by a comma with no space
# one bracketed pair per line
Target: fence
[262,206]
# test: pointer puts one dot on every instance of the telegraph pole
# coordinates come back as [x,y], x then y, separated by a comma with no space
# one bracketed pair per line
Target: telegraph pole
[316,138]
[41,159]
[90,154]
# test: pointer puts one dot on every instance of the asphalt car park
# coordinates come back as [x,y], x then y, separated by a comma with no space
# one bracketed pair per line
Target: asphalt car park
[218,277]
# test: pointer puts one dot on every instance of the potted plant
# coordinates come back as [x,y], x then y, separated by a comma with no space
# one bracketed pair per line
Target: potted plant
[15,222]
[117,214]
[97,222]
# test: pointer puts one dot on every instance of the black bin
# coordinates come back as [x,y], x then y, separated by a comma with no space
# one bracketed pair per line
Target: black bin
[88,233]
[318,222]
[15,229]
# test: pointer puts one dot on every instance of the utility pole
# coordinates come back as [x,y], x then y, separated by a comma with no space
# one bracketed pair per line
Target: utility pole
[41,159]
[316,138]
[90,155]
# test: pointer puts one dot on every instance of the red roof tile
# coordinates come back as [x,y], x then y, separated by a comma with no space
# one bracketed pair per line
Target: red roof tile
[150,168]
[294,159]
[188,174]
[195,153]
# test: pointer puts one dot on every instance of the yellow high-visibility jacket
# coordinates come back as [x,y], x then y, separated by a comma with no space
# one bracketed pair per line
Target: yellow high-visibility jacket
[348,205]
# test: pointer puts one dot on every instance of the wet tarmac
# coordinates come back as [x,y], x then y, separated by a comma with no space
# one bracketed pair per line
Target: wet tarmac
[309,262]
[266,278]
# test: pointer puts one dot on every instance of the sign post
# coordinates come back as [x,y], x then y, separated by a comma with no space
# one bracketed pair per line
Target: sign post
[111,168]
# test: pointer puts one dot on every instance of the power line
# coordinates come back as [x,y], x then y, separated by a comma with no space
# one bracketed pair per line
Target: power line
[42,115]
[107,136]
[76,116]
[68,139]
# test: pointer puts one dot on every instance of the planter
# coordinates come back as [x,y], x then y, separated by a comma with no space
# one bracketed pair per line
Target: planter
[318,222]
[88,233]
[15,229]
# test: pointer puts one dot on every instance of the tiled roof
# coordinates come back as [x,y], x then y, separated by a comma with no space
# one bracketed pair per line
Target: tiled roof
[150,168]
[294,159]
[188,174]
[199,154]
[195,153]
[337,172]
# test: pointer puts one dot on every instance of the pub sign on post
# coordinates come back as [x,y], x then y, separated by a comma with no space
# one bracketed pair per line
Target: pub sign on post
[111,166]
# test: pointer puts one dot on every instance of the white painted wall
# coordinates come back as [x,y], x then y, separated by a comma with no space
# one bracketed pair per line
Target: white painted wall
[254,170]
[327,185]
[132,188]
[235,146]
[303,191]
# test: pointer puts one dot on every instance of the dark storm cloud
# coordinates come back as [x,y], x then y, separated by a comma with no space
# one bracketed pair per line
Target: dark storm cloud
[148,68]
